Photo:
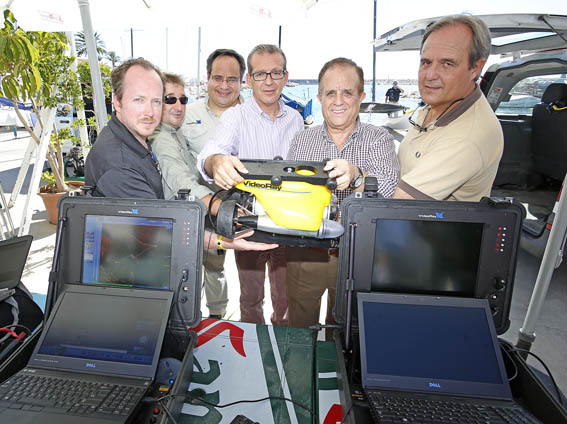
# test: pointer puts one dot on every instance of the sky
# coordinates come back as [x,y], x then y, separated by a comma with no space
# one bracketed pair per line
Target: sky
[167,32]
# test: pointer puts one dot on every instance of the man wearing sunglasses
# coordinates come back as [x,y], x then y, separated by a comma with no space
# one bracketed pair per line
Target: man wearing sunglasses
[168,143]
[454,148]
[261,128]
[176,143]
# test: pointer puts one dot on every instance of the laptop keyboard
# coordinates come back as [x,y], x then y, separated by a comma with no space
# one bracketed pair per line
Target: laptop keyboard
[53,394]
[394,408]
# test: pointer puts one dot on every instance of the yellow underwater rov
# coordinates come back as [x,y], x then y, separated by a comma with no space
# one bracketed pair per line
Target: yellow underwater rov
[289,203]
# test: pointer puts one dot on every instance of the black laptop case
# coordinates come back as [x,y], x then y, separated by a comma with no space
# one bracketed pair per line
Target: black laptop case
[362,260]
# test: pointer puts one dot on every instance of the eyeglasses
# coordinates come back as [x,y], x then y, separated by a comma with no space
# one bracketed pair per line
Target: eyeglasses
[421,128]
[275,75]
[171,100]
[218,79]
[416,125]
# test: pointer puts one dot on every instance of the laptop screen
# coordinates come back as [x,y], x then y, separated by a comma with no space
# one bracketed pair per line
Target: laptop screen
[102,329]
[13,256]
[431,344]
[127,251]
[426,257]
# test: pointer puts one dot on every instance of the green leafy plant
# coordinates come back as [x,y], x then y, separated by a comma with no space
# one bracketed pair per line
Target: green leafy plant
[48,183]
[84,71]
[34,68]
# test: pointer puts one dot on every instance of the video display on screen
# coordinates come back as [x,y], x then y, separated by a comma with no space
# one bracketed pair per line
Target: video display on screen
[426,257]
[127,251]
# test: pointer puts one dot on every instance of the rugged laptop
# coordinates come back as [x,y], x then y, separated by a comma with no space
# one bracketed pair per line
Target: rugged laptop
[433,359]
[95,360]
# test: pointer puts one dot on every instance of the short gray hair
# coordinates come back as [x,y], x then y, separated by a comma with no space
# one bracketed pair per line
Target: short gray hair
[265,49]
[341,61]
[480,46]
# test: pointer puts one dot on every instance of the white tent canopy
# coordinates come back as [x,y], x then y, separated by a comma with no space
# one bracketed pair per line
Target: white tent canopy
[99,15]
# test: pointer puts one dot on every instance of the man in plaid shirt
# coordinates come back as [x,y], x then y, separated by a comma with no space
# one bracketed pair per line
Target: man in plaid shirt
[355,150]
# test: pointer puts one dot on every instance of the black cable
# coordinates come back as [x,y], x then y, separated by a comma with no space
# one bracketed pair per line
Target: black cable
[319,326]
[213,228]
[254,401]
[23,327]
[315,374]
[512,361]
[354,354]
[177,301]
[559,397]
[161,399]
[206,254]
[347,412]
[169,414]
[210,208]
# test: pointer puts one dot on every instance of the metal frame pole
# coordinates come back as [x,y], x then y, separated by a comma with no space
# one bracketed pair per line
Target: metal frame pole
[199,64]
[552,258]
[98,93]
[80,111]
[37,169]
[374,57]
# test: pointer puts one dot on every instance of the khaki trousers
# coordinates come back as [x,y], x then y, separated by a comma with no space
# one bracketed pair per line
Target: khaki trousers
[309,273]
[214,280]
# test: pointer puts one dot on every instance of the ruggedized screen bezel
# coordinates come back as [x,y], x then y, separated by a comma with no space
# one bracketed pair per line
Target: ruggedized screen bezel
[359,215]
[186,253]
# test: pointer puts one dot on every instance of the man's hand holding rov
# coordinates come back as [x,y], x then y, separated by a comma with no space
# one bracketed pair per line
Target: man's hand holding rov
[343,171]
[225,170]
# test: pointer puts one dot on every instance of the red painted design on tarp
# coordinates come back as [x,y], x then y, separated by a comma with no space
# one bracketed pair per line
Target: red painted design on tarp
[203,324]
[236,334]
[335,415]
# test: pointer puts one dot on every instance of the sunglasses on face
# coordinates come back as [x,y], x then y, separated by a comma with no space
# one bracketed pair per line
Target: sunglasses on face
[171,100]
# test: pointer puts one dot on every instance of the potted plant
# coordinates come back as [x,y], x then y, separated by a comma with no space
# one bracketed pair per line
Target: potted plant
[49,191]
[50,195]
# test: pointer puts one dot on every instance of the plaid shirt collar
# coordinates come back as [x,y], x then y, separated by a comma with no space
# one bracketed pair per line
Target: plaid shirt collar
[357,128]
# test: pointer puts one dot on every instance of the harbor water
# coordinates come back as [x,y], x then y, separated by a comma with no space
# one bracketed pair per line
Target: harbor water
[303,93]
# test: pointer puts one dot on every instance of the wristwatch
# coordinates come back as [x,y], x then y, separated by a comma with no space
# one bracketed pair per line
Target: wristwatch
[357,181]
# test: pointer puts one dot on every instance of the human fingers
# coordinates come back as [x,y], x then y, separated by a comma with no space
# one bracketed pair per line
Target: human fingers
[226,175]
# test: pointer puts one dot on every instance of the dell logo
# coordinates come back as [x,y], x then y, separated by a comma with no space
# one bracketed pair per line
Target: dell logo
[90,365]
[436,385]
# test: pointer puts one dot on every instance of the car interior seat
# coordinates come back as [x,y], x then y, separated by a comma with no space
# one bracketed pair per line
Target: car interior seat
[549,132]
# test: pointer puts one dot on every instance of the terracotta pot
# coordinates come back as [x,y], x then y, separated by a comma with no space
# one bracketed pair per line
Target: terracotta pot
[50,201]
[75,185]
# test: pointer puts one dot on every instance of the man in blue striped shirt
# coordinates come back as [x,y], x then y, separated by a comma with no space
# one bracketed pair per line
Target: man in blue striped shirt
[261,128]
